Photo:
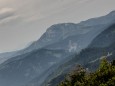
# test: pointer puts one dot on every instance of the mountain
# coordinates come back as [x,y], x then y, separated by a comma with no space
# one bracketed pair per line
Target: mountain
[5,56]
[60,36]
[23,68]
[89,57]
[90,32]
[54,50]
[58,33]
[78,41]
[106,38]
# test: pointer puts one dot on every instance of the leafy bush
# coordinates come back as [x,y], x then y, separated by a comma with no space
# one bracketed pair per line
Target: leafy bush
[103,76]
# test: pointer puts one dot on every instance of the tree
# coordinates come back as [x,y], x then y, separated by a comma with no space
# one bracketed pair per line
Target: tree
[103,76]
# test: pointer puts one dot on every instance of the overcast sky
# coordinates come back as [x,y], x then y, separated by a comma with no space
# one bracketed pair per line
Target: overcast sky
[23,21]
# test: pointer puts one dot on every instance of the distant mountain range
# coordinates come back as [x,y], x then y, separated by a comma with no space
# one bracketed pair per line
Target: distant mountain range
[63,32]
[46,61]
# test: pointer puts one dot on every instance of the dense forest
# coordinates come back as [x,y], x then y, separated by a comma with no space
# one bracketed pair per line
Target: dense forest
[103,76]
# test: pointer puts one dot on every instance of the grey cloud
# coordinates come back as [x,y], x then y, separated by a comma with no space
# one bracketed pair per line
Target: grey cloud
[9,16]
[10,20]
[6,12]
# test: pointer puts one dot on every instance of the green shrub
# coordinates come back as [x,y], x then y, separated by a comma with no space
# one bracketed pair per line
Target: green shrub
[103,76]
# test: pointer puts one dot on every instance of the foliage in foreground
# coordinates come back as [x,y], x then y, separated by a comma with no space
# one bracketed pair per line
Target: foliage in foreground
[104,76]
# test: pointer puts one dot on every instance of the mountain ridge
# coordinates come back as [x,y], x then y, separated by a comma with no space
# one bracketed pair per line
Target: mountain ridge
[81,24]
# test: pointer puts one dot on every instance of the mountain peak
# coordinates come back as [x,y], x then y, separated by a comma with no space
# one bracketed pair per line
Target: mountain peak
[112,13]
[60,26]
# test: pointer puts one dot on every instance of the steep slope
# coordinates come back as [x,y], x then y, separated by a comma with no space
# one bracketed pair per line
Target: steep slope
[106,38]
[89,57]
[5,56]
[80,40]
[21,69]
